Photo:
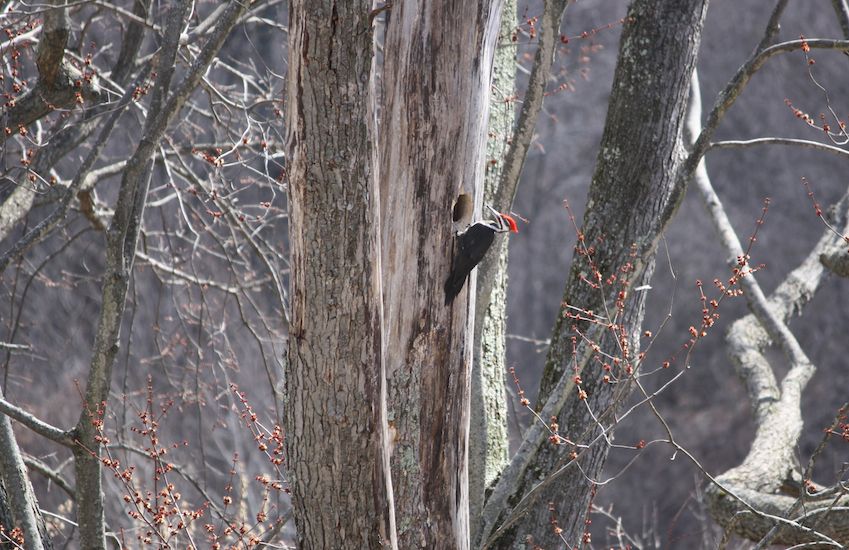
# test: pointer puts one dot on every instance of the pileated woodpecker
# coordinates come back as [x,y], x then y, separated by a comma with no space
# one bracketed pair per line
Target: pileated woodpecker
[471,246]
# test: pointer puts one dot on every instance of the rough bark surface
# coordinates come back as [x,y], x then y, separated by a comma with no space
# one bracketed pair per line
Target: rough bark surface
[513,157]
[438,59]
[488,439]
[335,417]
[636,171]
[21,499]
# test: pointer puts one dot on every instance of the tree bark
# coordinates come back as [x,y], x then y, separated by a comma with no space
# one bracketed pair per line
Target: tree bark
[336,429]
[636,171]
[438,60]
[509,166]
[21,499]
[488,441]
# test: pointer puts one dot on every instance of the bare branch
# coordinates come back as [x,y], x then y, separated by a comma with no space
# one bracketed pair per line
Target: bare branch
[726,99]
[51,474]
[736,85]
[121,241]
[45,226]
[38,426]
[20,347]
[51,46]
[201,282]
[777,330]
[777,409]
[802,143]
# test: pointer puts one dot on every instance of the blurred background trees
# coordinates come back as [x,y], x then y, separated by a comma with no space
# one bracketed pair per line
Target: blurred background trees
[143,269]
[122,176]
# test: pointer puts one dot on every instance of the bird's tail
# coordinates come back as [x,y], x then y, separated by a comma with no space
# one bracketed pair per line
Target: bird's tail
[453,286]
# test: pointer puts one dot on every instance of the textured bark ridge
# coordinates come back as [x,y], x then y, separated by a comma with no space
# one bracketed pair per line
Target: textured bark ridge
[488,439]
[636,172]
[438,59]
[335,425]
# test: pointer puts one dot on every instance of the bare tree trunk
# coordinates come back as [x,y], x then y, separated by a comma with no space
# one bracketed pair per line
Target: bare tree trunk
[506,157]
[635,175]
[336,428]
[21,500]
[488,442]
[438,60]
[513,160]
[121,241]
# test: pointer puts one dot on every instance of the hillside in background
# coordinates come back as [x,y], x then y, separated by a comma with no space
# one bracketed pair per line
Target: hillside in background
[191,342]
[707,406]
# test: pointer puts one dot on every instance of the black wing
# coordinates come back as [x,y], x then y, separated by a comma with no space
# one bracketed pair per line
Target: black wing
[472,246]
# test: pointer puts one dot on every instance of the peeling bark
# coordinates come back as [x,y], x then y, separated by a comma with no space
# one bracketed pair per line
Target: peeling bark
[488,437]
[438,60]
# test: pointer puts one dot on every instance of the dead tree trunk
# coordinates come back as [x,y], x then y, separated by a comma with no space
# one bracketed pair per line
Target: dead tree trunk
[438,60]
[489,444]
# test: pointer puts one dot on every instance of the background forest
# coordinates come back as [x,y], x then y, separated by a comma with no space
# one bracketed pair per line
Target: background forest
[188,169]
[707,407]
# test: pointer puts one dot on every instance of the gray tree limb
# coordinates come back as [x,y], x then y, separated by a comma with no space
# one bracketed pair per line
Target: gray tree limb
[121,240]
[21,498]
[632,187]
[770,467]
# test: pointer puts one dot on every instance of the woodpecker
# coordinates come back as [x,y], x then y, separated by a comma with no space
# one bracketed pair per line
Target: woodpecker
[471,246]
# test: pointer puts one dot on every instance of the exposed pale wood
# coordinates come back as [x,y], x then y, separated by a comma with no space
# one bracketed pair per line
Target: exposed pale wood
[438,59]
[488,439]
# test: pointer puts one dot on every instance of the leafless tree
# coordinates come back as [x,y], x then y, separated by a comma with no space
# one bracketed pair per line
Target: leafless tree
[140,151]
[148,223]
[544,493]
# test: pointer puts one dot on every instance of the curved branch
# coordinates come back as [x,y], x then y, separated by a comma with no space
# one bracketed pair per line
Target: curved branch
[736,85]
[726,99]
[803,143]
[40,427]
[770,462]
